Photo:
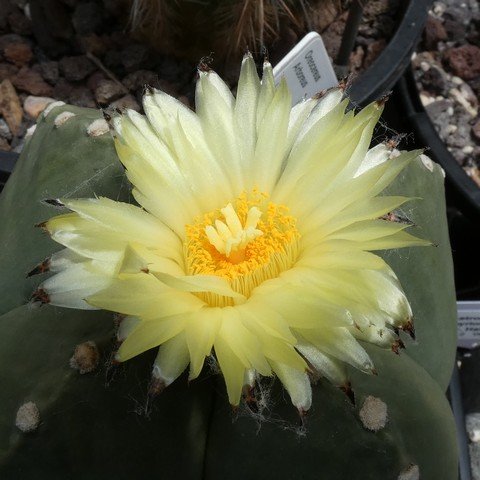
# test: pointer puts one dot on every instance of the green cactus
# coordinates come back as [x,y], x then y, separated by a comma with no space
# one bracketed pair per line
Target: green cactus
[105,425]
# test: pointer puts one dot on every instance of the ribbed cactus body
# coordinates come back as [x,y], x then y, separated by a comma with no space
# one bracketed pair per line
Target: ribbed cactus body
[104,425]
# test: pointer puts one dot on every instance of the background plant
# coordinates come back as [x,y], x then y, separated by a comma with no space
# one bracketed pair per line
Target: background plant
[227,27]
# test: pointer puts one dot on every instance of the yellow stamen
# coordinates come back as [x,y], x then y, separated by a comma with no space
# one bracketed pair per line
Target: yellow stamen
[247,244]
[231,239]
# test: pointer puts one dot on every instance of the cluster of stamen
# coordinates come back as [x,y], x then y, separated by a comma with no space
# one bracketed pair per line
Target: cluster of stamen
[247,242]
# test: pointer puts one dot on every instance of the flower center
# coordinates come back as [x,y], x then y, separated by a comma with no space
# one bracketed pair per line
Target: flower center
[247,242]
[231,239]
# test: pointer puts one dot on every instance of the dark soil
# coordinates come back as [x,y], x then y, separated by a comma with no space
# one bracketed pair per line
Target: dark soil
[83,53]
[447,71]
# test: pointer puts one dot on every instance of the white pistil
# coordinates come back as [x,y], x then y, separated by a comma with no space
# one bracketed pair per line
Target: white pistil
[231,236]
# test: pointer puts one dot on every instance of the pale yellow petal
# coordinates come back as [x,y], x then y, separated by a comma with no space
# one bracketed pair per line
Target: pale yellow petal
[314,311]
[242,342]
[129,222]
[166,200]
[368,230]
[63,259]
[172,359]
[332,166]
[296,383]
[375,156]
[326,103]
[266,94]
[308,152]
[258,315]
[334,370]
[201,331]
[144,296]
[245,111]
[381,336]
[398,240]
[126,327]
[232,368]
[86,238]
[137,258]
[70,287]
[321,259]
[163,110]
[340,344]
[298,116]
[272,148]
[369,208]
[200,283]
[277,350]
[371,183]
[135,132]
[389,295]
[150,334]
[215,108]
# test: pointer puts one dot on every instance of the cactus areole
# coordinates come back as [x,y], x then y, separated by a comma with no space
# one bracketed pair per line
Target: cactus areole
[252,239]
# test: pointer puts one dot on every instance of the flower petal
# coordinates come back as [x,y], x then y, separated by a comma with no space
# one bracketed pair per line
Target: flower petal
[150,334]
[137,258]
[232,368]
[71,286]
[63,259]
[144,296]
[272,147]
[172,359]
[201,332]
[375,156]
[215,109]
[297,385]
[329,173]
[245,111]
[366,209]
[304,153]
[372,181]
[340,344]
[266,94]
[200,283]
[126,327]
[242,342]
[345,260]
[129,222]
[163,111]
[333,369]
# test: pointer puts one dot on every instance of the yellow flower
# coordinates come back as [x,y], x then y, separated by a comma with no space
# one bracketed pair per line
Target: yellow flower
[252,239]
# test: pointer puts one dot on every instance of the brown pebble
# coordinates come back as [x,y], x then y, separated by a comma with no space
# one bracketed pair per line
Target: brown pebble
[476,130]
[34,106]
[434,32]
[29,80]
[464,61]
[10,106]
[18,53]
[128,101]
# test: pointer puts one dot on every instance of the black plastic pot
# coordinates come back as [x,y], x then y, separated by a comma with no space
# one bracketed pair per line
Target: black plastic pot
[384,73]
[462,190]
[463,194]
[7,162]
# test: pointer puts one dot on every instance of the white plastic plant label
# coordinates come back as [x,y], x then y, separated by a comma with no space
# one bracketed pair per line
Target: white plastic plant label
[468,324]
[306,68]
